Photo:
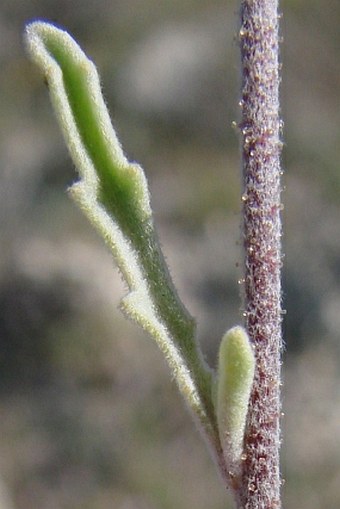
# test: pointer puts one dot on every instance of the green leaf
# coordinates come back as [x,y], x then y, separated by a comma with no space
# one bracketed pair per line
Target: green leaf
[114,195]
[235,379]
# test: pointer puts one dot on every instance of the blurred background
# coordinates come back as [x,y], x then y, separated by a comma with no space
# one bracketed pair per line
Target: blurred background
[89,415]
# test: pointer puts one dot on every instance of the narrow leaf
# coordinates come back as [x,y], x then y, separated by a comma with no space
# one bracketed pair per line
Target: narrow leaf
[235,379]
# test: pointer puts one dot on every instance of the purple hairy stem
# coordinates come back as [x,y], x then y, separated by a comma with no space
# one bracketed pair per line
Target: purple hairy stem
[261,149]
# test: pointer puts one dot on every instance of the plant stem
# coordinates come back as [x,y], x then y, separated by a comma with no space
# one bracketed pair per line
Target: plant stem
[261,148]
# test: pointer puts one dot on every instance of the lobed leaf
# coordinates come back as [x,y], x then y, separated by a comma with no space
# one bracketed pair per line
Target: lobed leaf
[114,195]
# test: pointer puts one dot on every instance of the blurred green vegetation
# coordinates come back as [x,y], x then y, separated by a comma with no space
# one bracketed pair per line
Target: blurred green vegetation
[90,418]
